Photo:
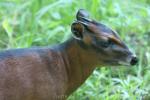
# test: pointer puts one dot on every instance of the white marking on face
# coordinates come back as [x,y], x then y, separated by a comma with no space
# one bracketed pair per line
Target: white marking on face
[124,63]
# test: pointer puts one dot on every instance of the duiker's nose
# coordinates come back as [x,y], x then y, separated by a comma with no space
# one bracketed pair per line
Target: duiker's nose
[134,60]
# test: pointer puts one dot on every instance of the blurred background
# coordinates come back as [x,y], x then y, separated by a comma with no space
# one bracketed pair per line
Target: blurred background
[27,23]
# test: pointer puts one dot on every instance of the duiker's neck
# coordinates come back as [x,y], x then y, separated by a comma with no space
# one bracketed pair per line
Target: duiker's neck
[79,63]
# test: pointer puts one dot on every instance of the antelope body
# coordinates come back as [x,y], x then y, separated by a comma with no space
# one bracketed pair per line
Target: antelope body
[52,73]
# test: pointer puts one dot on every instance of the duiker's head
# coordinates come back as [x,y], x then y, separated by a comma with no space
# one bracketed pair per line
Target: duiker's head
[101,40]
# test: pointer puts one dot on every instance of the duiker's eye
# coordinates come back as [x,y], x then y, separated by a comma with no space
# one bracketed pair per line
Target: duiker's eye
[104,44]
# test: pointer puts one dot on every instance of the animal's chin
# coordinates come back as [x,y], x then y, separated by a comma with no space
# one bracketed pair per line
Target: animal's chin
[117,63]
[111,63]
[124,63]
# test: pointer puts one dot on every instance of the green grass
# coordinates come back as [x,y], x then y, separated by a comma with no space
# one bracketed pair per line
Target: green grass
[26,23]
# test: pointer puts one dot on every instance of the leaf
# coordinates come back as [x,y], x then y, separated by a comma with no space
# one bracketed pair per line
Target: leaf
[7,28]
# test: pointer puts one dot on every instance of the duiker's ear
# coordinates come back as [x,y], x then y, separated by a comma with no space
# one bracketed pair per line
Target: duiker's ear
[77,30]
[82,13]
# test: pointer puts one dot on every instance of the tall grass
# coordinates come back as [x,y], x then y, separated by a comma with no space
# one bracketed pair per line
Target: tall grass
[26,23]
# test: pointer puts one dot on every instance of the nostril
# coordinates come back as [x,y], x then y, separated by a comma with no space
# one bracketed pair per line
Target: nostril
[134,61]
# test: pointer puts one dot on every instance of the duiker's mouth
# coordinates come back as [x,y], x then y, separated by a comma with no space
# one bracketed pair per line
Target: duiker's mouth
[124,63]
[133,60]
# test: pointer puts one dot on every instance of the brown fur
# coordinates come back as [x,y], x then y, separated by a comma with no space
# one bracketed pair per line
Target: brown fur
[53,73]
[43,73]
